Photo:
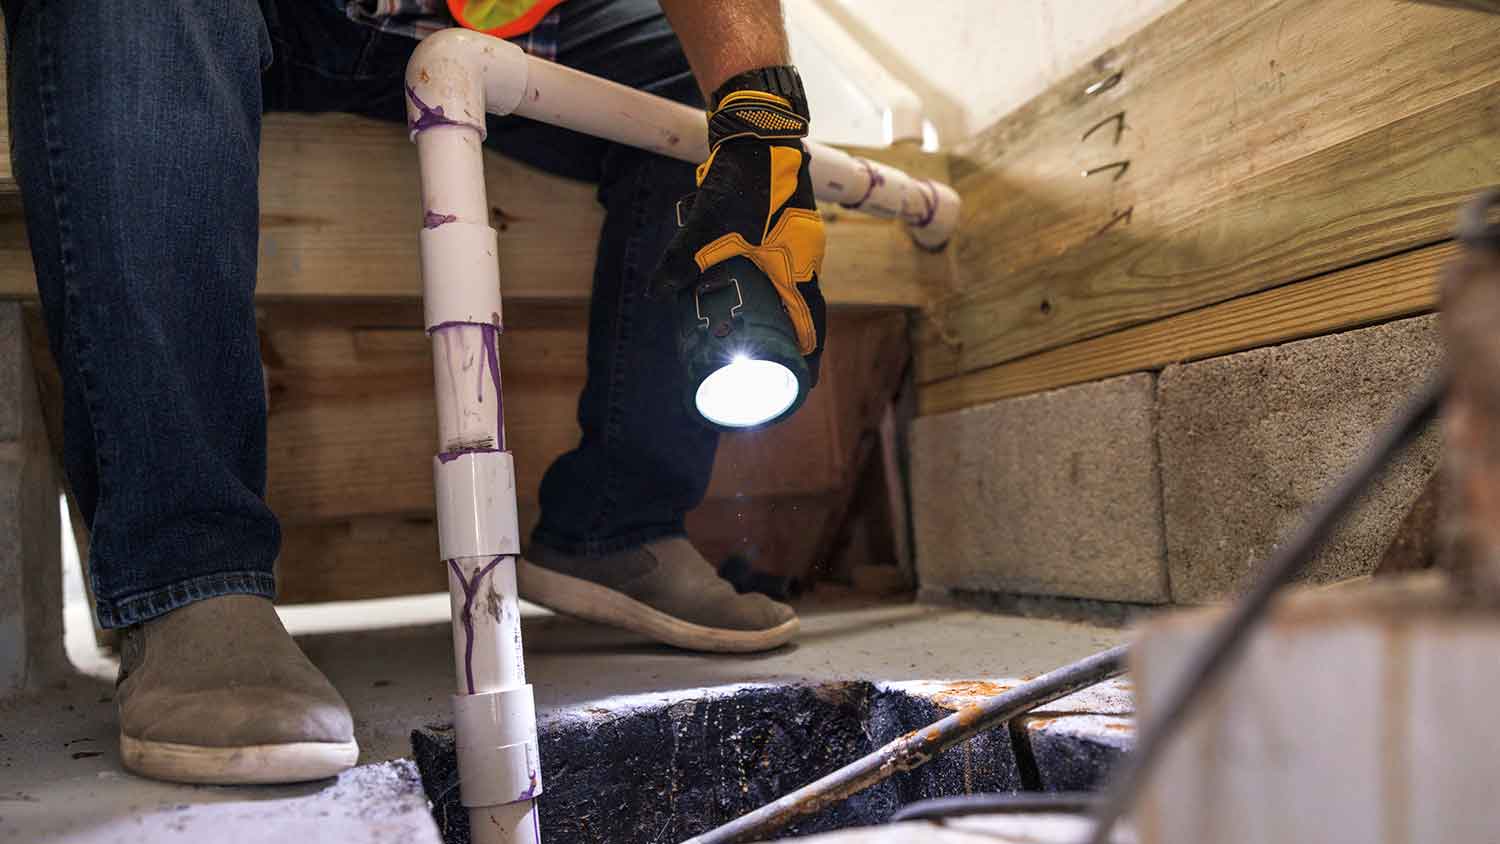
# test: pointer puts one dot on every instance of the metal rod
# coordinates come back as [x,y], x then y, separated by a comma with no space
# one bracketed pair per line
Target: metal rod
[1229,638]
[916,749]
[1022,803]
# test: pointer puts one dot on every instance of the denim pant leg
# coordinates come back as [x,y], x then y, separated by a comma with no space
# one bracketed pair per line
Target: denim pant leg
[644,460]
[135,132]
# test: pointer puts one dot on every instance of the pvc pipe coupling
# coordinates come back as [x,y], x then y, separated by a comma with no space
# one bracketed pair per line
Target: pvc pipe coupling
[496,737]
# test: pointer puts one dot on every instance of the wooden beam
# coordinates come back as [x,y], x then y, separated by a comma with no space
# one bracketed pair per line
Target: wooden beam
[1267,142]
[340,210]
[351,436]
[1402,285]
[385,556]
[1472,5]
[359,558]
[352,430]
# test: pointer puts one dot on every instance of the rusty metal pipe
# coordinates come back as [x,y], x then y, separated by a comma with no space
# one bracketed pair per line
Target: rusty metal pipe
[916,749]
[1471,426]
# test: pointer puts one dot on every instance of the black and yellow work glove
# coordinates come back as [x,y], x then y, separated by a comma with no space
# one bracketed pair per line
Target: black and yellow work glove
[755,199]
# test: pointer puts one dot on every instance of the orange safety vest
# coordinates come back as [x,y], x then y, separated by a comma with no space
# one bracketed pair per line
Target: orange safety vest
[501,18]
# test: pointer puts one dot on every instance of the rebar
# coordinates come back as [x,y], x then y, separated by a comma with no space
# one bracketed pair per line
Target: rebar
[916,749]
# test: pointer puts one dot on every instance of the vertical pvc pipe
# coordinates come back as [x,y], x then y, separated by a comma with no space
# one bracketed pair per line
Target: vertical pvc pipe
[452,168]
[453,79]
[493,708]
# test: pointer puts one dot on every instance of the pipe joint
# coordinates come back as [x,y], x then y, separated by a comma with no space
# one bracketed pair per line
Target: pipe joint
[932,216]
[461,274]
[476,504]
[455,76]
[929,209]
[498,762]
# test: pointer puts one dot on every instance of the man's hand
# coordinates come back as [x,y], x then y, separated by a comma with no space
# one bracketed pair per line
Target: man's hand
[755,199]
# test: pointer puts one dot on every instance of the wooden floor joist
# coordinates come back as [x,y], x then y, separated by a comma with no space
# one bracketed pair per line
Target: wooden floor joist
[1399,286]
[352,431]
[1267,141]
[341,207]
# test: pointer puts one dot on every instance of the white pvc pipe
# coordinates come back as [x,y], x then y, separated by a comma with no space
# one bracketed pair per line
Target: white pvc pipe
[453,79]
[456,69]
[493,711]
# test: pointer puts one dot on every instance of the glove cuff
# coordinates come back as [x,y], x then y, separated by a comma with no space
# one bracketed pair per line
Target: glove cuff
[781,80]
[766,103]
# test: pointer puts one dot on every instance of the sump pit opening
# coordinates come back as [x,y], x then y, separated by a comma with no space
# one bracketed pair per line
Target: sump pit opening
[662,768]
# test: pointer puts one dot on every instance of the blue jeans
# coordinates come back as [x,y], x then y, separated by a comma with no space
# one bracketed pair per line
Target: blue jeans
[135,136]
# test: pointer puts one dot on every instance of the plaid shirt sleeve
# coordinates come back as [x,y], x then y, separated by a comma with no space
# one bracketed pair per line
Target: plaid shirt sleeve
[420,18]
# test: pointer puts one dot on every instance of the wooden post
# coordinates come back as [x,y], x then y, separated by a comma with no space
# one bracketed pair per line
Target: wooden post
[1471,330]
[31,631]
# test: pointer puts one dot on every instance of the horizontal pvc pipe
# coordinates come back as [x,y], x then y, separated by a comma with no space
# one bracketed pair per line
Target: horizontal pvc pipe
[452,73]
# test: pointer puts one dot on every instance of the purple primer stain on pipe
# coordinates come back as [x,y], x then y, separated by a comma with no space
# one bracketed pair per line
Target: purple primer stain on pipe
[492,353]
[489,337]
[929,203]
[429,116]
[457,323]
[433,219]
[450,456]
[530,792]
[876,180]
[471,588]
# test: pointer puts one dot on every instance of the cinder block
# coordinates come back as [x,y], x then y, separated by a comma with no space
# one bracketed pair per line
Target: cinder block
[1052,494]
[1250,441]
[31,649]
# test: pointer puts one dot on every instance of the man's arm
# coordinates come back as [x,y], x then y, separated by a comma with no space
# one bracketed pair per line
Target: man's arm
[755,196]
[724,38]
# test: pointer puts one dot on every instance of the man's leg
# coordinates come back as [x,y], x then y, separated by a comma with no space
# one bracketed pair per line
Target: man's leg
[135,137]
[611,543]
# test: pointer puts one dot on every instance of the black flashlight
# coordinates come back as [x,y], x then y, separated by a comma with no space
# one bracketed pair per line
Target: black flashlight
[739,349]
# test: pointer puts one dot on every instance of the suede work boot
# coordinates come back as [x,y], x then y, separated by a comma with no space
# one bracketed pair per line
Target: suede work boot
[664,589]
[217,692]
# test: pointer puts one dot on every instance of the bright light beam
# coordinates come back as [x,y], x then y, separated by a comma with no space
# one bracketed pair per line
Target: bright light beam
[746,393]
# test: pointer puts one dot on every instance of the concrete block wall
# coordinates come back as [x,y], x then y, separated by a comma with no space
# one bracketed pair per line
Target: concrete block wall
[1170,487]
[31,636]
[1052,494]
[1250,441]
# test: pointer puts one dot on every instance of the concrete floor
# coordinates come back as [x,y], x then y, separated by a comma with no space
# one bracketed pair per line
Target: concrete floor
[60,779]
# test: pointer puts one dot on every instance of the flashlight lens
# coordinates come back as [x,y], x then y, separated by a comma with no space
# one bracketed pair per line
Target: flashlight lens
[746,393]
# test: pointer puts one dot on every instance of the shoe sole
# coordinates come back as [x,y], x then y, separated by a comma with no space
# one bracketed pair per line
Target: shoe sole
[258,764]
[592,602]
